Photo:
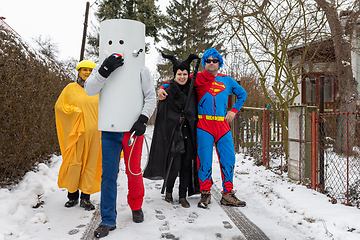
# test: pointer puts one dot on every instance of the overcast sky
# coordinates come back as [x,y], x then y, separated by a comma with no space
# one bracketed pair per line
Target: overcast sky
[62,21]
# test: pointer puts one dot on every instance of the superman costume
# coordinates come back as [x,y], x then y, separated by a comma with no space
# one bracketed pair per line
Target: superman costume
[212,98]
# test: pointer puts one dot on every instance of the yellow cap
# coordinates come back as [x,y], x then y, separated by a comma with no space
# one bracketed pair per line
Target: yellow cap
[86,64]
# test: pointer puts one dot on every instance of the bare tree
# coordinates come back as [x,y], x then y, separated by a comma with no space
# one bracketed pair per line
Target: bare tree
[47,47]
[240,68]
[343,35]
[265,31]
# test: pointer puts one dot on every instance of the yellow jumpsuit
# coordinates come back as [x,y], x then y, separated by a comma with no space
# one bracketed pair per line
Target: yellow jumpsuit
[76,116]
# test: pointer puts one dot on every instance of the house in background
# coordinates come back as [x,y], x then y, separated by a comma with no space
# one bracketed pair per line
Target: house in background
[319,61]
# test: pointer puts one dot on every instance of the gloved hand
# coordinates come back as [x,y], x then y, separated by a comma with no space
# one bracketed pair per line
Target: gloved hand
[140,125]
[110,64]
[181,120]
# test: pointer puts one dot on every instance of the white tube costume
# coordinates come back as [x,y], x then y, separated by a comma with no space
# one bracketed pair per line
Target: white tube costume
[129,91]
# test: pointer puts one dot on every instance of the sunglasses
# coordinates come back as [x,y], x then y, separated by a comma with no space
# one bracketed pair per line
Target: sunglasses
[212,60]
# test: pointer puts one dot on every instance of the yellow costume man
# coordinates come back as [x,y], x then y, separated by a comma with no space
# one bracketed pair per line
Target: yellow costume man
[76,116]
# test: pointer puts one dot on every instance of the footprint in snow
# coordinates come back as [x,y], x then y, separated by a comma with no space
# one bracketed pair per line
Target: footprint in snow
[168,236]
[192,217]
[148,200]
[73,231]
[159,215]
[165,226]
[227,225]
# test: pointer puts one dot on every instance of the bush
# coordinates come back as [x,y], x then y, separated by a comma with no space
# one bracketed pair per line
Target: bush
[29,87]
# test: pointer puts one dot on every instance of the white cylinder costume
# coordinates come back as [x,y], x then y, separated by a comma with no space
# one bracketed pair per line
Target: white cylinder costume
[127,100]
[121,98]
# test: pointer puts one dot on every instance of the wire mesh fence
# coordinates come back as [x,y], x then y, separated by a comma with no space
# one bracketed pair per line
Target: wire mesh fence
[329,152]
[339,153]
[332,142]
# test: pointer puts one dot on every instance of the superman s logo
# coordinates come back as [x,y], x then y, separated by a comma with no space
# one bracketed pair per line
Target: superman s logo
[216,88]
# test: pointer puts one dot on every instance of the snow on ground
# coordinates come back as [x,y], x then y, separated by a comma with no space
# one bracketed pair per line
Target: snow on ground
[281,208]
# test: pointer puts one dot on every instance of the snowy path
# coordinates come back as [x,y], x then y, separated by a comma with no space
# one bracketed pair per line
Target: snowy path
[168,221]
[248,229]
[280,208]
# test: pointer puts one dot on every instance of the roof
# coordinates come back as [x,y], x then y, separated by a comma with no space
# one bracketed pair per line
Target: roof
[321,50]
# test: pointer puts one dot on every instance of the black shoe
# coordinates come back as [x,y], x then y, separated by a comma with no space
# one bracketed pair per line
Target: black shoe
[71,203]
[184,203]
[138,216]
[168,197]
[85,203]
[103,231]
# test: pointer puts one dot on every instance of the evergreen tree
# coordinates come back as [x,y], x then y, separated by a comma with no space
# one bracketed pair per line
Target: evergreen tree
[187,30]
[144,11]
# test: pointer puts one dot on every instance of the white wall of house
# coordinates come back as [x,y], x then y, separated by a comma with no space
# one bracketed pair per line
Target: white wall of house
[355,60]
[294,62]
[355,54]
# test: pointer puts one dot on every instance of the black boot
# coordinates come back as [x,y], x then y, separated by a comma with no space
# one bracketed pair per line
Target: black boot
[168,197]
[103,231]
[71,203]
[138,216]
[73,199]
[87,204]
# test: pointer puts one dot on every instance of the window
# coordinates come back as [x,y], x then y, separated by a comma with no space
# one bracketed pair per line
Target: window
[329,89]
[311,89]
[310,84]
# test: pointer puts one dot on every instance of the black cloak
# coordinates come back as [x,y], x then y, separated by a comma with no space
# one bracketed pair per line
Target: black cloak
[167,130]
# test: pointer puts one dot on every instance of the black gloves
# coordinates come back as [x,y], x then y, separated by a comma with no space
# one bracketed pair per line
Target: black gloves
[140,125]
[110,64]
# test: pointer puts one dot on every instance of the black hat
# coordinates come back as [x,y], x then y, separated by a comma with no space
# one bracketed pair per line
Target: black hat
[180,65]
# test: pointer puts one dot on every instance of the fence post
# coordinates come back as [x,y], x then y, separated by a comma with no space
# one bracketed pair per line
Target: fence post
[313,151]
[321,135]
[236,133]
[266,137]
[321,150]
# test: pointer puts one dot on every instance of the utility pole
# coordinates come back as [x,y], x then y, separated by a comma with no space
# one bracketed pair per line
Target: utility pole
[84,32]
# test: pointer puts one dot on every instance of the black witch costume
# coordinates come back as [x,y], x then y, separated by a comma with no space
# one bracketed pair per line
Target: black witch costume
[173,147]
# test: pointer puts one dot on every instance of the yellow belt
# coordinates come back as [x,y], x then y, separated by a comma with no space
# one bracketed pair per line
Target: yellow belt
[213,118]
